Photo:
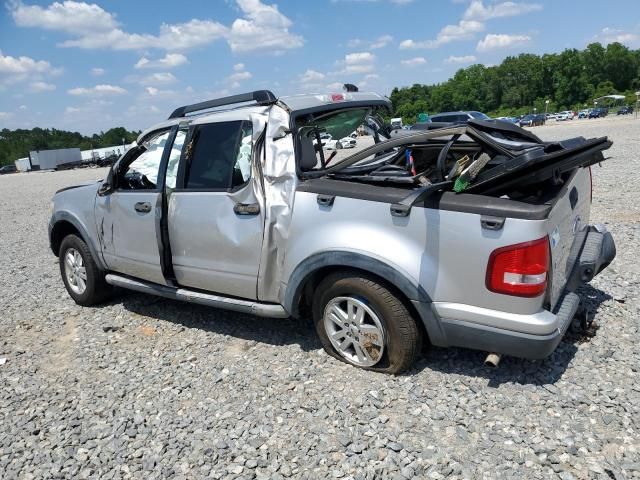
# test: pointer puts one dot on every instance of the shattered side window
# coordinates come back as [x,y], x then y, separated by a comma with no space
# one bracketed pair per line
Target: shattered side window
[174,159]
[338,135]
[242,167]
[142,173]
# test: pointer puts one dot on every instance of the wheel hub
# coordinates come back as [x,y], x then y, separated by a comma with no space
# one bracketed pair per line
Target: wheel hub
[355,330]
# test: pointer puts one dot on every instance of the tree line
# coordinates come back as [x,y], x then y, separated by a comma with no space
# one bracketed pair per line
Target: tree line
[15,144]
[569,80]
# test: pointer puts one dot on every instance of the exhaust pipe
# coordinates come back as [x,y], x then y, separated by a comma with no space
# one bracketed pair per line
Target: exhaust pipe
[492,360]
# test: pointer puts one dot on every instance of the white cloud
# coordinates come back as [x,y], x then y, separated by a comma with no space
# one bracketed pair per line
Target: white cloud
[170,60]
[611,35]
[462,59]
[358,62]
[160,78]
[38,87]
[262,28]
[97,72]
[335,86]
[5,115]
[414,62]
[478,11]
[22,65]
[239,76]
[464,30]
[311,76]
[359,57]
[97,91]
[493,41]
[381,41]
[23,107]
[472,22]
[93,27]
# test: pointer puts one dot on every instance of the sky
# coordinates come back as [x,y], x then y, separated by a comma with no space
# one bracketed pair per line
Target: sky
[88,67]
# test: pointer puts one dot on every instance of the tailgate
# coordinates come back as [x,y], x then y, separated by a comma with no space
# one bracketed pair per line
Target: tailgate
[567,229]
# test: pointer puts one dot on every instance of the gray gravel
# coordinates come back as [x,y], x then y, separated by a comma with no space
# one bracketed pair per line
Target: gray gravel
[149,388]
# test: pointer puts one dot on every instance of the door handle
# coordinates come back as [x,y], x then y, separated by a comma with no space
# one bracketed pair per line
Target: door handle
[246,209]
[142,207]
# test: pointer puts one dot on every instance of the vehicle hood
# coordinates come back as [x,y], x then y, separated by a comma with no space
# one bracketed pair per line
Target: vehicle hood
[94,183]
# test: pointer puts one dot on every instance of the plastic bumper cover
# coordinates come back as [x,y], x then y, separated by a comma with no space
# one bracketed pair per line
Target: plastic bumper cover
[483,329]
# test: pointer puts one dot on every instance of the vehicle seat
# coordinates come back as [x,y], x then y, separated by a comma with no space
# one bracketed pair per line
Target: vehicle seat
[308,159]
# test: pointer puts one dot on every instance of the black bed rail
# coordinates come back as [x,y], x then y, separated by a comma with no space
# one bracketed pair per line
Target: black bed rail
[260,97]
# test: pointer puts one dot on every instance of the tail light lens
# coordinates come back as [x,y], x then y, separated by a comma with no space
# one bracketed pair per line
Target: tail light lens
[519,270]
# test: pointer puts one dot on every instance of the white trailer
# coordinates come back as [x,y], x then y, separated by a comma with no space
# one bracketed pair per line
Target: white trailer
[396,122]
[52,159]
[23,164]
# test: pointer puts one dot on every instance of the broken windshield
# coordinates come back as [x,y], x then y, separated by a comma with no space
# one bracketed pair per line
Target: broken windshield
[333,137]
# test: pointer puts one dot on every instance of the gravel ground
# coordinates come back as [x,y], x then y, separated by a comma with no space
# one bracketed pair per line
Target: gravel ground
[149,388]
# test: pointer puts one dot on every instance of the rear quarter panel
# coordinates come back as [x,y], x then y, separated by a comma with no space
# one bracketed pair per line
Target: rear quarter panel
[445,252]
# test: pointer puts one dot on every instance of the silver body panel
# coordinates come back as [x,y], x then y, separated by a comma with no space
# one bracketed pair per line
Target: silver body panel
[128,238]
[442,253]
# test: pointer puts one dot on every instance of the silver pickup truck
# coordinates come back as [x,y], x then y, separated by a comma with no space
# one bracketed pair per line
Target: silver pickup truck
[473,235]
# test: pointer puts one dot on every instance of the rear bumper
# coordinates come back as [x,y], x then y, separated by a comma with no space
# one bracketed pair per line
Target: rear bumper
[532,336]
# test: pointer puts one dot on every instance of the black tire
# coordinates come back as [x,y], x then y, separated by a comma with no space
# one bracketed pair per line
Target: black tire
[338,145]
[96,290]
[402,337]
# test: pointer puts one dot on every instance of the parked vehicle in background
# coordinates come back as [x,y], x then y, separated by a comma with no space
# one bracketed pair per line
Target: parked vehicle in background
[8,169]
[345,142]
[562,116]
[458,117]
[598,113]
[508,119]
[532,120]
[396,122]
[107,161]
[473,235]
[583,113]
[58,159]
[626,110]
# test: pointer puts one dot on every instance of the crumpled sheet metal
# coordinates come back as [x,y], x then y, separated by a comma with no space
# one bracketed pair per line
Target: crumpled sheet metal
[279,172]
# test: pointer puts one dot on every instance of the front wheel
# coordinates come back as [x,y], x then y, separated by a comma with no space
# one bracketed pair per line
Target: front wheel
[338,145]
[360,321]
[82,278]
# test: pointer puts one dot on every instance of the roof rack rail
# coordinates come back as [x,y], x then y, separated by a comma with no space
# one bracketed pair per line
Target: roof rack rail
[261,97]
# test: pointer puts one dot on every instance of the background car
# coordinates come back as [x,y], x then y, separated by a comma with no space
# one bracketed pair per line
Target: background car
[346,142]
[532,120]
[626,110]
[598,113]
[458,117]
[8,169]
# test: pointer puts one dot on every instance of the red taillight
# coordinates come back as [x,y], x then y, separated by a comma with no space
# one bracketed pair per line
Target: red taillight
[591,184]
[520,269]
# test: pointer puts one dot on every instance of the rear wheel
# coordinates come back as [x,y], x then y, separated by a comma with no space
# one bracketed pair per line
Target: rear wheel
[338,145]
[82,278]
[360,321]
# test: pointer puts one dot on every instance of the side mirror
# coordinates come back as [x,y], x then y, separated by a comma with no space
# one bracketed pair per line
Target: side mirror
[105,189]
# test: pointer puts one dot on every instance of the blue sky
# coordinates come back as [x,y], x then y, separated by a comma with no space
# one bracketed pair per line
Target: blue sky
[91,66]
